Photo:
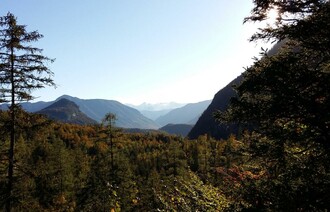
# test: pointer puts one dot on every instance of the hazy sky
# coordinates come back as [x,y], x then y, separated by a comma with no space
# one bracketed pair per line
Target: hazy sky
[138,51]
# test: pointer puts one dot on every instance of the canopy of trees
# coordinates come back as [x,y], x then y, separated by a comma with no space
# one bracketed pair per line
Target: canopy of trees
[285,98]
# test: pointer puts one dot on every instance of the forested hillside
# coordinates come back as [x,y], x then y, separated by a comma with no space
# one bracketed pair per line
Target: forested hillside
[66,111]
[177,129]
[64,167]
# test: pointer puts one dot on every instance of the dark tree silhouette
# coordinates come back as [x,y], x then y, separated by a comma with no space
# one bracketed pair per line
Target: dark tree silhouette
[22,70]
[109,121]
[286,97]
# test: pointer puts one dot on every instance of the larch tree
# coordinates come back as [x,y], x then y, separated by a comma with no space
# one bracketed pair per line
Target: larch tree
[109,121]
[23,69]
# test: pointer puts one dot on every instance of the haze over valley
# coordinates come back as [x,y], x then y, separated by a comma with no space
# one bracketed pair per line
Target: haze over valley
[126,116]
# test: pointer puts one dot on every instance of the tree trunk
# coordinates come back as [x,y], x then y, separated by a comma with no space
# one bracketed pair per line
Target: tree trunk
[12,136]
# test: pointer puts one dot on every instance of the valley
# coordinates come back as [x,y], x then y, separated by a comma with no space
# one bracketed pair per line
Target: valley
[89,111]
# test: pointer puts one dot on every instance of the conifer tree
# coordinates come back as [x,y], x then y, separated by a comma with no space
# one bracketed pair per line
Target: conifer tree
[109,120]
[286,98]
[22,70]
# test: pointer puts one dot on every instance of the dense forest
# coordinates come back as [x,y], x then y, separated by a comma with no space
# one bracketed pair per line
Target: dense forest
[70,167]
[278,160]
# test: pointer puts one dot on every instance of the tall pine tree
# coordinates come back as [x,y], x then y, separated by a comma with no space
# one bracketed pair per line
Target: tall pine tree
[22,70]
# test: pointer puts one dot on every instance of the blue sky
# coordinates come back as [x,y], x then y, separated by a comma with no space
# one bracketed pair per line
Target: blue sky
[138,51]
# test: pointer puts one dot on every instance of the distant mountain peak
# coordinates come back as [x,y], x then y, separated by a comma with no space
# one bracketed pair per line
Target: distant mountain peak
[63,103]
[157,106]
[66,111]
[68,97]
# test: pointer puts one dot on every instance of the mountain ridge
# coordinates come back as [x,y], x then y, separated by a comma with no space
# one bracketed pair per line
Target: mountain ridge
[207,124]
[145,106]
[184,115]
[127,117]
[66,111]
[96,109]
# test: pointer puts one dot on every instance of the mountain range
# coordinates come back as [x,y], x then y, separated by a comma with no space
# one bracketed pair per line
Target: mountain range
[96,109]
[157,106]
[154,111]
[155,114]
[180,120]
[187,114]
[127,117]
